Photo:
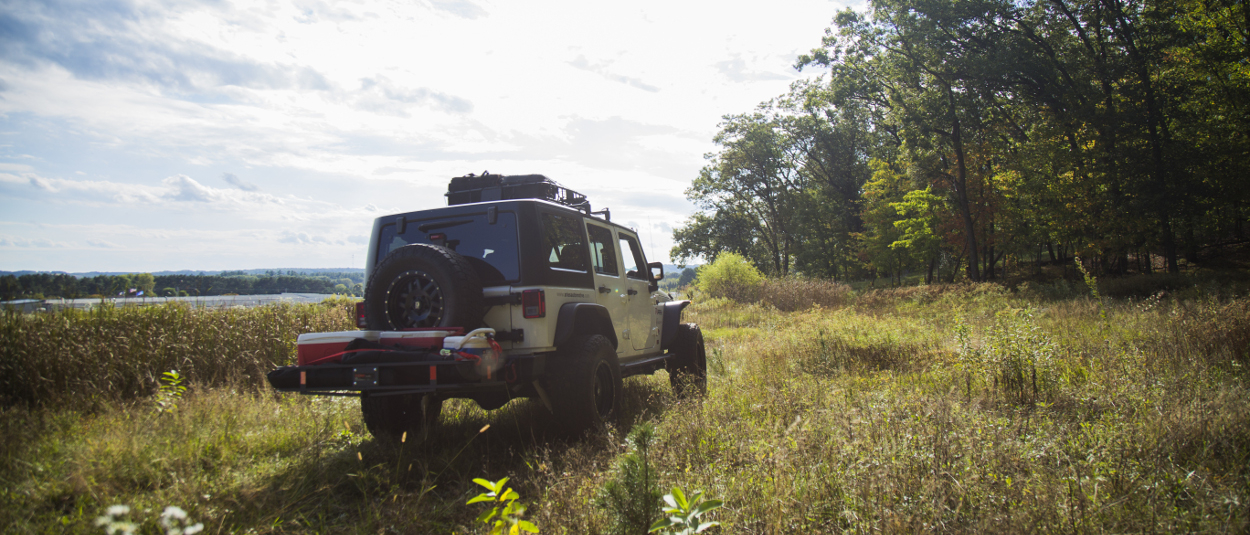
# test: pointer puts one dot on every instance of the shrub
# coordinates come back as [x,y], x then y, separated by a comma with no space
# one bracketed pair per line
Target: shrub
[633,498]
[1015,356]
[792,293]
[732,277]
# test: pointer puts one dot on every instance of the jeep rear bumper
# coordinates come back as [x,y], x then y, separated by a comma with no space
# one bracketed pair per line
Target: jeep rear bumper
[447,378]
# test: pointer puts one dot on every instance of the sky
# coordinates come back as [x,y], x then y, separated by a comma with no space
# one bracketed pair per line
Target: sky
[167,135]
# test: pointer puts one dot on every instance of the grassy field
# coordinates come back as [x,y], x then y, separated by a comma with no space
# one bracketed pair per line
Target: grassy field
[921,409]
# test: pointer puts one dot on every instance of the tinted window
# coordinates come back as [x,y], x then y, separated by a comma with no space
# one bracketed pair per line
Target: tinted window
[492,249]
[564,242]
[602,250]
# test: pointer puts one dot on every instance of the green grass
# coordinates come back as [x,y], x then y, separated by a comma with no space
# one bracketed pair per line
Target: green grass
[868,417]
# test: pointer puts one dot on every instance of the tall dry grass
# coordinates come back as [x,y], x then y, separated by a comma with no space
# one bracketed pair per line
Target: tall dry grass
[81,359]
[874,417]
[792,293]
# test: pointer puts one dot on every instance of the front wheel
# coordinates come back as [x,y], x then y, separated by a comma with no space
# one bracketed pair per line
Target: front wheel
[390,417]
[586,385]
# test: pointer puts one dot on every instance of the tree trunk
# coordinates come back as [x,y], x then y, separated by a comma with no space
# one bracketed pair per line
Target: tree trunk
[961,189]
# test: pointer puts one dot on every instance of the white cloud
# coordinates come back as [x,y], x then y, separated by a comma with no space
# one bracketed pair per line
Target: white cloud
[184,188]
[303,238]
[16,167]
[239,183]
[371,105]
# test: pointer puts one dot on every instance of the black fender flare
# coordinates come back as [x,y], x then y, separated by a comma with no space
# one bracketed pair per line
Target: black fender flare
[583,318]
[672,318]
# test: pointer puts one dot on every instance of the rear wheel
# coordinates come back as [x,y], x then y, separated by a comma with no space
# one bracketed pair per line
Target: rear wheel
[687,371]
[389,417]
[421,286]
[586,387]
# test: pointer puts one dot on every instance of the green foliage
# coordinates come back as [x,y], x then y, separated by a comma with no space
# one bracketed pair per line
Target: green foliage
[1114,129]
[1015,356]
[731,277]
[632,498]
[1092,283]
[685,517]
[170,392]
[506,511]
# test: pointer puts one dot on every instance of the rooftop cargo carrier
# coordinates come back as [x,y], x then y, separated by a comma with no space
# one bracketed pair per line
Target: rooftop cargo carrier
[487,187]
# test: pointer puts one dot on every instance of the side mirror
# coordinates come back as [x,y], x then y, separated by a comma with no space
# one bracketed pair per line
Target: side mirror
[656,270]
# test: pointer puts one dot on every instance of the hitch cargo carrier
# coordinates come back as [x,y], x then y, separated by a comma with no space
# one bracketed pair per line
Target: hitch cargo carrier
[349,363]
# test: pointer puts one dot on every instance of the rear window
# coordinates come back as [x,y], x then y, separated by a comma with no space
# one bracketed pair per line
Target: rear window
[491,248]
[564,242]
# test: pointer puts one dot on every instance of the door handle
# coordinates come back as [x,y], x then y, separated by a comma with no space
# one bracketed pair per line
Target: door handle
[604,289]
[631,291]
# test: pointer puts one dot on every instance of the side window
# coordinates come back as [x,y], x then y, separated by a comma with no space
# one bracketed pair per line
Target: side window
[602,250]
[633,258]
[564,241]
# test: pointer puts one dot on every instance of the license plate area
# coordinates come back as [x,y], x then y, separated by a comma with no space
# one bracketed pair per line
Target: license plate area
[365,377]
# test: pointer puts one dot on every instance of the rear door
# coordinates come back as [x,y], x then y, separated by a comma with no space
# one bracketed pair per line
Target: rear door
[609,280]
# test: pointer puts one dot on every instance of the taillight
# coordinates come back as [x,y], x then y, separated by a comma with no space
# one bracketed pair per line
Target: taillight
[360,315]
[533,304]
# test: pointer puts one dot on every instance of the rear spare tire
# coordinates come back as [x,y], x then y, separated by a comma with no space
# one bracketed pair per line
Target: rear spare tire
[422,286]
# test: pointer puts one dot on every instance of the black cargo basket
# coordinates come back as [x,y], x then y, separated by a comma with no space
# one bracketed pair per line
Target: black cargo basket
[488,187]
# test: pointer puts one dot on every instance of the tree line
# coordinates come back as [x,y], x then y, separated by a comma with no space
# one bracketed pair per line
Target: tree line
[951,136]
[48,285]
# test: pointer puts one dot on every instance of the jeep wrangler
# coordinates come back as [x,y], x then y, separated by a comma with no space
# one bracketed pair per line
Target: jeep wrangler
[559,302]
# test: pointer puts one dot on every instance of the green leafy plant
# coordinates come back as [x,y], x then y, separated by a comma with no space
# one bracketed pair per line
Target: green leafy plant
[1015,355]
[1092,282]
[171,391]
[730,276]
[506,511]
[632,499]
[685,515]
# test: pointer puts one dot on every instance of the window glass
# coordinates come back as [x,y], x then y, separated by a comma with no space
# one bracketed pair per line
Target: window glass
[633,258]
[491,248]
[564,240]
[602,250]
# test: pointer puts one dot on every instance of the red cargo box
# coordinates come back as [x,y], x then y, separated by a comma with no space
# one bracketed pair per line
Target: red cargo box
[315,346]
[431,338]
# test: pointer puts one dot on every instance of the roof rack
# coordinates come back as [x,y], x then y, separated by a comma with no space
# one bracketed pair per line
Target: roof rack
[487,187]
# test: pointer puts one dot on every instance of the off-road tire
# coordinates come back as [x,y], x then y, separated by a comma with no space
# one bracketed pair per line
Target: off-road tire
[585,386]
[423,285]
[389,417]
[687,371]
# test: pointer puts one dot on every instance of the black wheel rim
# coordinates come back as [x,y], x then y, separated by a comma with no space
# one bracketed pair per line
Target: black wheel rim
[605,390]
[414,299]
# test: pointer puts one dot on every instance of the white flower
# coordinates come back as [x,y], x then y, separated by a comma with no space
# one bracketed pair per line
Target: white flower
[173,512]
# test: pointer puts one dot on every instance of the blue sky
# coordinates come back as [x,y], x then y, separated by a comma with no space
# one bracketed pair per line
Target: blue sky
[149,136]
